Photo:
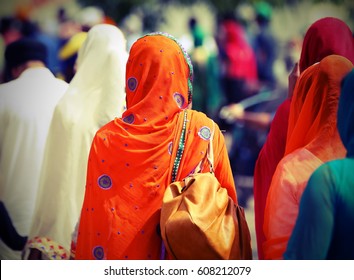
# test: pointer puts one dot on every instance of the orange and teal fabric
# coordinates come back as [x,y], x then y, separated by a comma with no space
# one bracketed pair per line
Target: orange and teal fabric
[324,37]
[325,225]
[131,158]
[313,139]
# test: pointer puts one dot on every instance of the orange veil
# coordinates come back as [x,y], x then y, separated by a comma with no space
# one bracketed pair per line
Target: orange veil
[313,119]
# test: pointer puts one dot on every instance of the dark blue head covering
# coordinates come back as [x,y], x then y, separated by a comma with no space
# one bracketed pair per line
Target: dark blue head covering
[345,120]
[24,50]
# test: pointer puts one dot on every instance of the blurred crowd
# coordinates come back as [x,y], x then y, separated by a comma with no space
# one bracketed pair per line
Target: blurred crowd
[242,75]
[62,44]
[239,60]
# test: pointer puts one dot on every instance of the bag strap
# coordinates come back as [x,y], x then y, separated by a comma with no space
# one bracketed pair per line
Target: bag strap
[209,154]
[181,144]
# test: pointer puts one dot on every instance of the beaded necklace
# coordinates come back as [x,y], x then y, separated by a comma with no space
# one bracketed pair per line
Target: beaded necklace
[180,150]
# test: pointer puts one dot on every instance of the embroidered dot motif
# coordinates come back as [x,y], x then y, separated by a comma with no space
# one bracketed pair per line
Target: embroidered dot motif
[204,133]
[132,83]
[98,253]
[170,145]
[105,182]
[179,99]
[129,119]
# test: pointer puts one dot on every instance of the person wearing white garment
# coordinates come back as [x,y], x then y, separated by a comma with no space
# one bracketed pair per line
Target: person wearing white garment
[27,104]
[95,95]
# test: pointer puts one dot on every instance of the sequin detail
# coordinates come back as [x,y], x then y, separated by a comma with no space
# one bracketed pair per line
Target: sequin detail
[132,83]
[179,99]
[204,133]
[105,182]
[129,119]
[170,145]
[98,253]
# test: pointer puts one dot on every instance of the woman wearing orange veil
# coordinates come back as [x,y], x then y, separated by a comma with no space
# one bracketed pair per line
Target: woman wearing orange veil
[313,139]
[329,196]
[131,158]
[324,37]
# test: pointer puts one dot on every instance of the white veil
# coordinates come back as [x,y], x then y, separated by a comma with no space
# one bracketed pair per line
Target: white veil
[95,96]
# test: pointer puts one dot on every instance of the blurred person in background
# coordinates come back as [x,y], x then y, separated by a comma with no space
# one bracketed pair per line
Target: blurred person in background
[20,26]
[207,94]
[95,96]
[237,61]
[68,55]
[72,33]
[199,58]
[26,108]
[324,37]
[265,46]
[10,30]
[238,74]
[32,29]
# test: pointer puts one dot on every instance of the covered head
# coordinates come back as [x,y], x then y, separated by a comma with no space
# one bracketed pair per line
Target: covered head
[346,114]
[99,79]
[313,112]
[159,77]
[241,59]
[24,50]
[263,11]
[324,37]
